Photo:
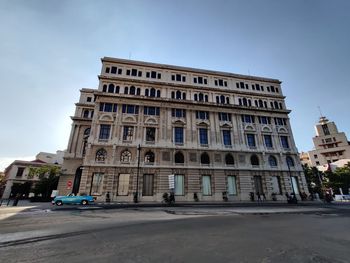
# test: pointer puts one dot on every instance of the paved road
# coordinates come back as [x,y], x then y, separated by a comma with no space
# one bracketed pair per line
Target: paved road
[178,235]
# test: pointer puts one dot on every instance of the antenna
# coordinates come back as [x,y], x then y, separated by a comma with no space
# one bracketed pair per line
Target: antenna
[319,109]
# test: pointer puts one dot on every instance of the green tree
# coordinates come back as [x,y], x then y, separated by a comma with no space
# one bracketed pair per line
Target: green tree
[48,179]
[340,178]
[314,179]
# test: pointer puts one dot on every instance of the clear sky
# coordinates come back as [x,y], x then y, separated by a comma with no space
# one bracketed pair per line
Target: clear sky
[51,49]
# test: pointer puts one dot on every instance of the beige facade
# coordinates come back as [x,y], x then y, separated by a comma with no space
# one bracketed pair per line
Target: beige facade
[216,132]
[330,145]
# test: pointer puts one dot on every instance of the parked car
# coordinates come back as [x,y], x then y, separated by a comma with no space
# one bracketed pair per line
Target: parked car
[72,199]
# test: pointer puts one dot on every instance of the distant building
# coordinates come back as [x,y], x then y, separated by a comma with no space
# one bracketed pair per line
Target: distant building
[334,165]
[305,159]
[17,172]
[330,145]
[151,127]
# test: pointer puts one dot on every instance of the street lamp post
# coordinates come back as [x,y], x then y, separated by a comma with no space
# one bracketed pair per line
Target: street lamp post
[136,195]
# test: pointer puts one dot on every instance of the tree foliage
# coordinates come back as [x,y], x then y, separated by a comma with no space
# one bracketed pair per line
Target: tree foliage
[48,175]
[340,178]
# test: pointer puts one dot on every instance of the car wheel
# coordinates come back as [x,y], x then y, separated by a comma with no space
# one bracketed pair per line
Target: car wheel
[59,203]
[84,202]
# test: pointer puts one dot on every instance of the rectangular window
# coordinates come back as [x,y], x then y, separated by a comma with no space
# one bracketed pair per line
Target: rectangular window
[120,71]
[325,129]
[200,80]
[179,113]
[202,115]
[221,82]
[203,136]
[20,171]
[96,184]
[153,74]
[134,72]
[178,77]
[114,70]
[108,107]
[231,185]
[128,72]
[251,140]
[128,133]
[150,134]
[179,135]
[147,74]
[206,185]
[151,110]
[131,109]
[223,116]
[226,136]
[264,120]
[248,119]
[123,184]
[284,142]
[179,185]
[104,131]
[268,141]
[147,189]
[276,185]
[241,84]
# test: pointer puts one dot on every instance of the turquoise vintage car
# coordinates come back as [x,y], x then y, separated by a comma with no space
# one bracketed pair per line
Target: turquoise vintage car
[72,199]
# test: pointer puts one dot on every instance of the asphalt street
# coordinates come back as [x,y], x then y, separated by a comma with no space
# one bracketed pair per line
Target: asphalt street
[179,234]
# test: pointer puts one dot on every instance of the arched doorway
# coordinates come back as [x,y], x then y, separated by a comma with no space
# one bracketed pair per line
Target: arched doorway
[77,178]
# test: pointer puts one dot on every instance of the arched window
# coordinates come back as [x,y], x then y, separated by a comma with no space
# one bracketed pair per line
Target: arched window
[272,161]
[271,104]
[125,157]
[158,93]
[256,103]
[206,98]
[126,90]
[173,95]
[249,103]
[179,157]
[183,95]
[229,159]
[200,97]
[217,99]
[281,106]
[101,155]
[178,95]
[290,161]
[227,100]
[222,99]
[146,92]
[254,160]
[149,157]
[245,103]
[205,158]
[261,104]
[195,97]
[138,91]
[265,104]
[117,89]
[111,88]
[240,102]
[153,92]
[276,104]
[104,89]
[132,90]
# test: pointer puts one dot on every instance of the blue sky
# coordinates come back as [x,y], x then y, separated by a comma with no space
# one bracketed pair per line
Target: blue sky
[51,49]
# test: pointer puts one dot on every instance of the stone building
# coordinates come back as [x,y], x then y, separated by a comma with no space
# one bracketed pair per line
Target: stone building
[330,144]
[150,127]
